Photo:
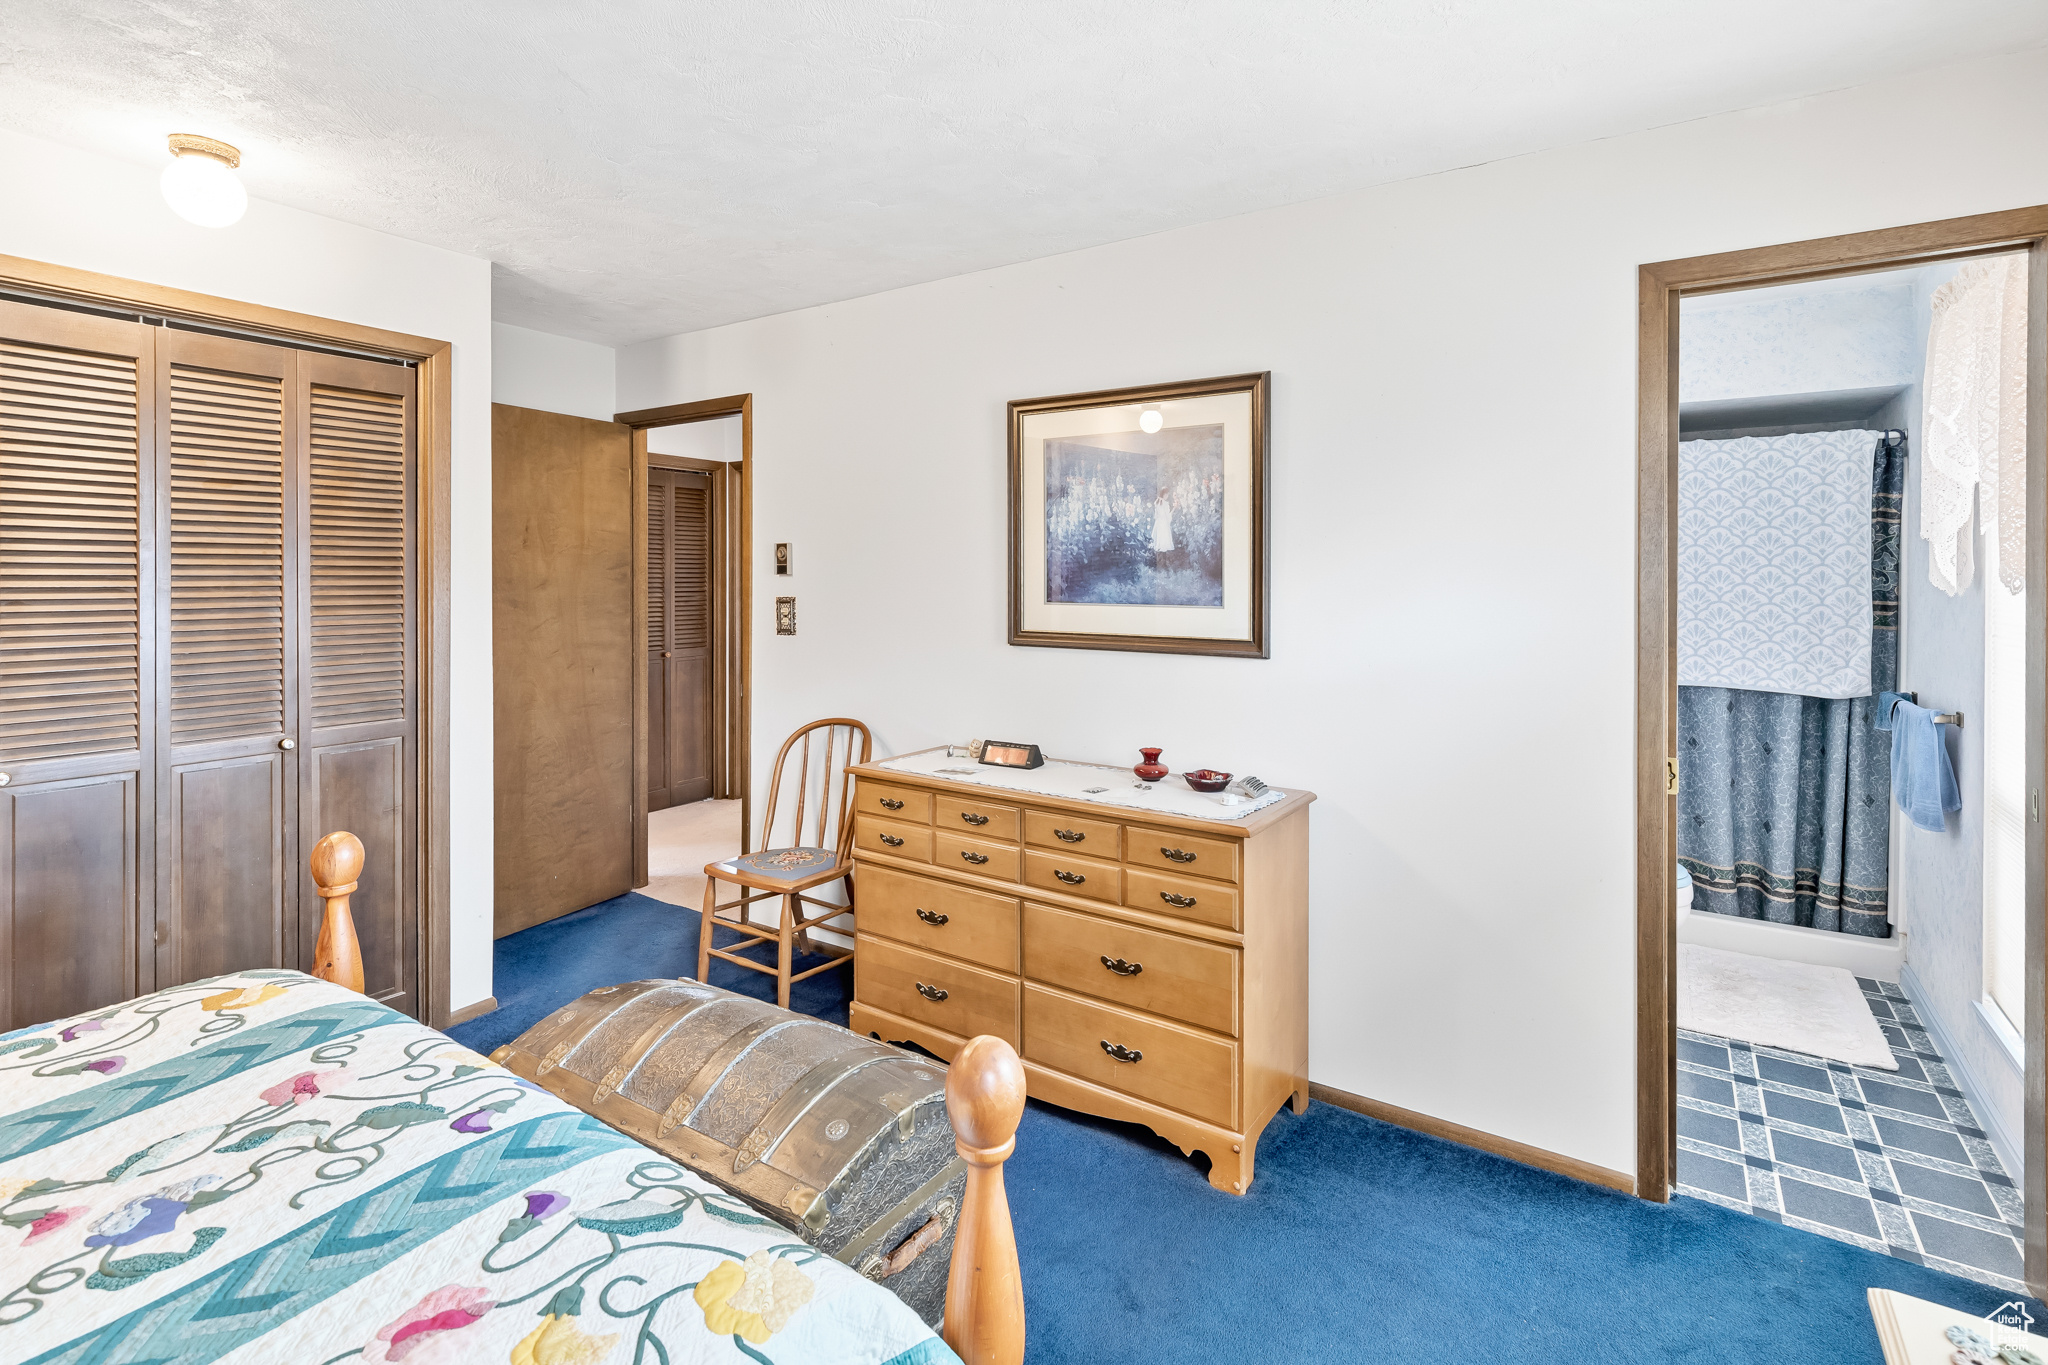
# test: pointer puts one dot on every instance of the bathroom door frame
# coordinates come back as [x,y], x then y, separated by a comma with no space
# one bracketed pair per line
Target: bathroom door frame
[1662,285]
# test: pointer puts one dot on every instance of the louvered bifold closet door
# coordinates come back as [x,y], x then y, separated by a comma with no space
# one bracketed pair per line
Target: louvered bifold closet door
[689,680]
[76,718]
[227,773]
[359,689]
[658,560]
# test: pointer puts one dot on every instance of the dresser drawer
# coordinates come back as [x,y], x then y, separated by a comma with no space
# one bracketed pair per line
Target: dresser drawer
[894,803]
[1165,893]
[1077,876]
[892,837]
[1140,968]
[977,818]
[1175,1066]
[978,856]
[1176,852]
[927,913]
[1097,837]
[969,1000]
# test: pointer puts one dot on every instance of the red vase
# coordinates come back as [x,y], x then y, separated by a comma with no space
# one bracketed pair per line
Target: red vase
[1151,770]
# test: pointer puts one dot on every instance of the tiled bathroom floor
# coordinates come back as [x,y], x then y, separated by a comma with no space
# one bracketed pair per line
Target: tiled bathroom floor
[1891,1161]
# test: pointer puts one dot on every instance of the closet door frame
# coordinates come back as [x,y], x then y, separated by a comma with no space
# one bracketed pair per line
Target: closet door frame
[1662,286]
[432,447]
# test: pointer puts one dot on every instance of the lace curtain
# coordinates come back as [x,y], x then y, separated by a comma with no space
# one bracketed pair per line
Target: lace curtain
[1975,423]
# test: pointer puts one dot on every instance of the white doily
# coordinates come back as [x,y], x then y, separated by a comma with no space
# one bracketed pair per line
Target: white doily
[1974,422]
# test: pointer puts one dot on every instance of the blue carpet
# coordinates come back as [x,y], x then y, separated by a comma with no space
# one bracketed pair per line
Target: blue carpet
[624,939]
[1359,1241]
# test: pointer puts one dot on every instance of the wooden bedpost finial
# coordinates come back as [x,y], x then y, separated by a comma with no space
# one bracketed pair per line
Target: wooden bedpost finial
[337,863]
[985,1291]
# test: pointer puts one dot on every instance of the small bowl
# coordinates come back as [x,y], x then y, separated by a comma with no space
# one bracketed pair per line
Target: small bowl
[1207,780]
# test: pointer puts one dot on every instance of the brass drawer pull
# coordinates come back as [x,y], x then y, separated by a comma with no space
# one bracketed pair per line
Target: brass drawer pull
[1121,967]
[1070,836]
[887,804]
[1176,854]
[892,841]
[1116,1050]
[1182,901]
[931,917]
[976,858]
[935,993]
[973,819]
[1070,878]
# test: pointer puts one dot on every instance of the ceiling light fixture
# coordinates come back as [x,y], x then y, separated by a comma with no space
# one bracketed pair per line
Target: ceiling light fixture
[1150,420]
[200,183]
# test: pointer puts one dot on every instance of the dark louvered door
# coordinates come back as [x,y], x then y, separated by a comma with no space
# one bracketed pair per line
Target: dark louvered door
[359,685]
[76,713]
[660,519]
[208,643]
[679,700]
[226,661]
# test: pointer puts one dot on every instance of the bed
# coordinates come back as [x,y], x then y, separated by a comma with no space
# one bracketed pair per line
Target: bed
[270,1166]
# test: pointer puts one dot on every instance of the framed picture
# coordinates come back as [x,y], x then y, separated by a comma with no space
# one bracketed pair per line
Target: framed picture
[1138,519]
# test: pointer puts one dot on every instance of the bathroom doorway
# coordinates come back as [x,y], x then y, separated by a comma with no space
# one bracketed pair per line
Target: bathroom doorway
[1841,1000]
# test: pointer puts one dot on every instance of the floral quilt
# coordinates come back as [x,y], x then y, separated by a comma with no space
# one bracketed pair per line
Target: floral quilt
[265,1168]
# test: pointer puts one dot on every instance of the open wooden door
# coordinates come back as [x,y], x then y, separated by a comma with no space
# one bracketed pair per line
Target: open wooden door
[565,639]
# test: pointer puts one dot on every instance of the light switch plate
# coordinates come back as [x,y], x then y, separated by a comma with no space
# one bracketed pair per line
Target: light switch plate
[785,616]
[783,568]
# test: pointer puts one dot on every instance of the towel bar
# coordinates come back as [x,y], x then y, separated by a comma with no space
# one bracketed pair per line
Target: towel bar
[1954,718]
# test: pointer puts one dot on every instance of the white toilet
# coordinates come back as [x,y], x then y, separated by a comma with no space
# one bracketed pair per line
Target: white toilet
[1684,892]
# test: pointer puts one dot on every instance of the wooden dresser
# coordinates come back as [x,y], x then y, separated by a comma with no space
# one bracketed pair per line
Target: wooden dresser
[1148,967]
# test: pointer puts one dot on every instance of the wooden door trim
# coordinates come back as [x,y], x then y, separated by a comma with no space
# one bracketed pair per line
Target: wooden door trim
[1661,285]
[733,678]
[433,361]
[638,512]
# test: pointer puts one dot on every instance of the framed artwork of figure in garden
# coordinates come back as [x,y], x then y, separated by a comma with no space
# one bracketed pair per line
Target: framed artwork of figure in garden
[1138,518]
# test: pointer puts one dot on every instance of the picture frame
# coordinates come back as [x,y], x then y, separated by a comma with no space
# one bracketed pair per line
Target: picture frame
[1139,519]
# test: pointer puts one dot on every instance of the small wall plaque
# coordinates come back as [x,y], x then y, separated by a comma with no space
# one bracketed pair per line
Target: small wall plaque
[785,616]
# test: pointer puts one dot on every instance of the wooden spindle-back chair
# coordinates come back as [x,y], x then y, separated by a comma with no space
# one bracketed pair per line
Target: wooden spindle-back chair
[824,794]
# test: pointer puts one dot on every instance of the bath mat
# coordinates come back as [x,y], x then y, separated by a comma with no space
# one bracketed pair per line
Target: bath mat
[1790,1005]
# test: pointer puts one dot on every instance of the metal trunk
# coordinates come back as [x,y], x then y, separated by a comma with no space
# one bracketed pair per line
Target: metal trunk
[841,1139]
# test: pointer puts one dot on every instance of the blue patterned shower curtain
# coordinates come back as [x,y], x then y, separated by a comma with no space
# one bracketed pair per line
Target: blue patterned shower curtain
[1784,802]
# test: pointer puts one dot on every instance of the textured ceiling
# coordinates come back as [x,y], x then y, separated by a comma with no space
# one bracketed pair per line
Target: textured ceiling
[636,168]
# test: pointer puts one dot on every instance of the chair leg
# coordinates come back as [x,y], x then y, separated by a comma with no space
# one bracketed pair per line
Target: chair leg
[790,910]
[704,930]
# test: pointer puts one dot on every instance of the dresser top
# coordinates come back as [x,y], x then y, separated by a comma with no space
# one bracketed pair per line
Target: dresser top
[1064,785]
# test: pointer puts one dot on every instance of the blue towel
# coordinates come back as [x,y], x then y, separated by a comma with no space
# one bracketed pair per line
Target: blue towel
[1921,774]
[1881,714]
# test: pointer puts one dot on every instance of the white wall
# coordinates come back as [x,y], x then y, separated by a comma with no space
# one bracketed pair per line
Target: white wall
[532,369]
[97,213]
[1453,542]
[1854,332]
[1942,875]
[717,439]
